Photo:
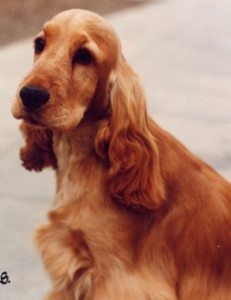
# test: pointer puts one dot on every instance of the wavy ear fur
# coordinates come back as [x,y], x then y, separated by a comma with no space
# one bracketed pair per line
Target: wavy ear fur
[124,138]
[38,151]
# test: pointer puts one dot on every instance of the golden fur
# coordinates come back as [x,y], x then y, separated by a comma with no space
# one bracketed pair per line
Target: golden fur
[136,215]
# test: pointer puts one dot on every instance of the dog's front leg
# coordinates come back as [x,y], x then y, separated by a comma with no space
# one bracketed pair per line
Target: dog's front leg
[67,258]
[60,295]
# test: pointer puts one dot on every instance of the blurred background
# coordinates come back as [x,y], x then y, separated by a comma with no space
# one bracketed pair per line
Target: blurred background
[182,51]
[22,18]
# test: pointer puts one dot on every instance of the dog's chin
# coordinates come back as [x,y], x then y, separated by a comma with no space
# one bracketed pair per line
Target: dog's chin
[29,119]
[62,123]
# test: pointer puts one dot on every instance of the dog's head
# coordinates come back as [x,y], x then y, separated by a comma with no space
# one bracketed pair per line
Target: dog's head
[74,56]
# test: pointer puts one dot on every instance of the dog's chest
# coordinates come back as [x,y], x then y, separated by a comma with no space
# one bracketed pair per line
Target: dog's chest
[79,175]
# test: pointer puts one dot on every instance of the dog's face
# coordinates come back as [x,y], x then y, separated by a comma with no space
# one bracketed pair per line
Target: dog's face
[74,55]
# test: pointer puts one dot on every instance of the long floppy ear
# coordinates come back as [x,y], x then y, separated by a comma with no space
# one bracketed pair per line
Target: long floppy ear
[38,151]
[125,140]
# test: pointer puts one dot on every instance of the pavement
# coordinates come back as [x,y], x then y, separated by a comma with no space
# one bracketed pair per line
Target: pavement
[182,51]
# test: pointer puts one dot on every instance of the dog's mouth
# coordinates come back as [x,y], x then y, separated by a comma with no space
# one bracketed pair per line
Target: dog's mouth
[33,120]
[31,117]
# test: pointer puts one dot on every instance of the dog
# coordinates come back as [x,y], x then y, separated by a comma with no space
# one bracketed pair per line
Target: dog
[136,215]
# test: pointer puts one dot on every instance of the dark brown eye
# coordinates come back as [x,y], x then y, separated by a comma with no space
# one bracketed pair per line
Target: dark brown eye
[39,45]
[83,57]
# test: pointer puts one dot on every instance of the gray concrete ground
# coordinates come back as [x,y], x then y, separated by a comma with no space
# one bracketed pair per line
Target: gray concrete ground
[182,51]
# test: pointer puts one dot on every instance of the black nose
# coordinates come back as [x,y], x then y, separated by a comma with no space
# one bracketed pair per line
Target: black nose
[33,97]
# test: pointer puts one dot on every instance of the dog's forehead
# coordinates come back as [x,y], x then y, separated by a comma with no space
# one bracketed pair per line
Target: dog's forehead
[77,20]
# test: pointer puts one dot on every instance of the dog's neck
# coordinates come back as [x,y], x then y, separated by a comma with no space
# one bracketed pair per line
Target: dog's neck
[77,164]
[77,142]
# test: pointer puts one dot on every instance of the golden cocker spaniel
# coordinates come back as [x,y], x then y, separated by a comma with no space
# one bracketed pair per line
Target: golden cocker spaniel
[136,215]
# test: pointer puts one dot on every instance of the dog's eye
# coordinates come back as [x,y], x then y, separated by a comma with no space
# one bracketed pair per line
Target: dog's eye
[83,57]
[39,45]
